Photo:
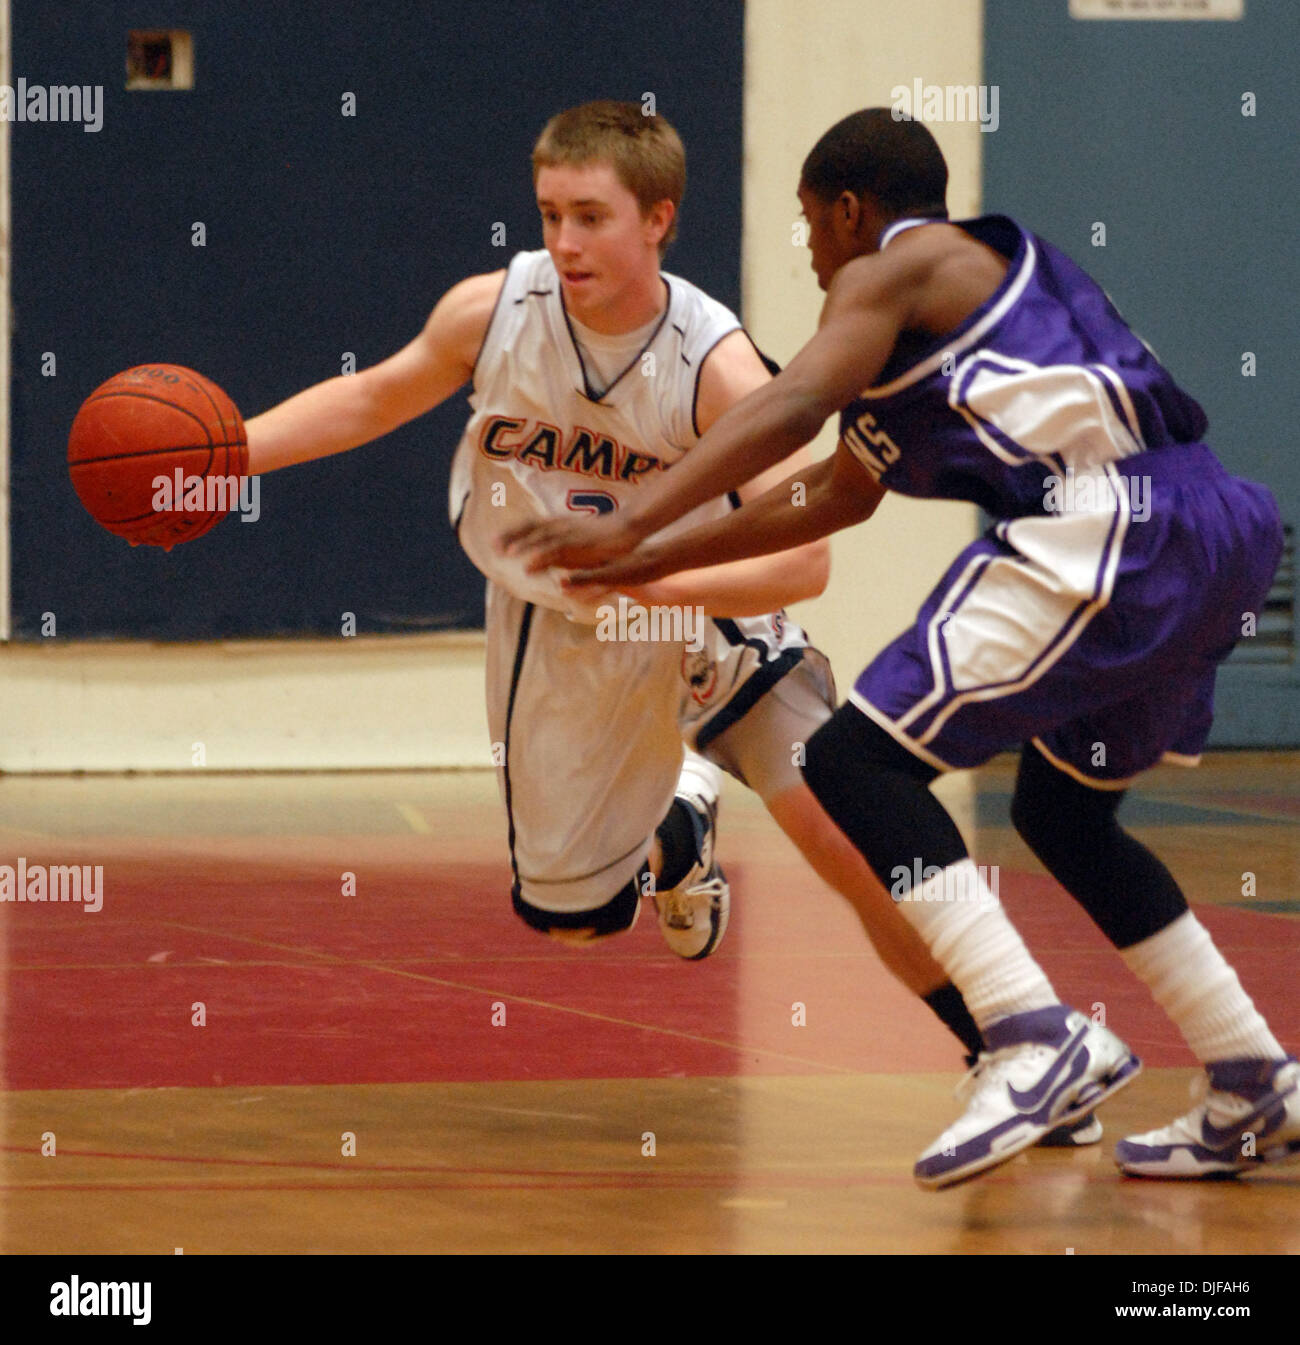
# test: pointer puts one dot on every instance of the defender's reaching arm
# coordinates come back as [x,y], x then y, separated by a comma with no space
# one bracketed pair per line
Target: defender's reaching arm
[807,506]
[754,583]
[867,306]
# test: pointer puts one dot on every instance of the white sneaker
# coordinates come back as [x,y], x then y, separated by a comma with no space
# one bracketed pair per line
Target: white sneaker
[1248,1114]
[1043,1070]
[693,915]
[1073,1135]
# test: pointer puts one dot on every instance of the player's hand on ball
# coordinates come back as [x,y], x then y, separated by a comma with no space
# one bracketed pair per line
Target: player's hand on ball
[564,545]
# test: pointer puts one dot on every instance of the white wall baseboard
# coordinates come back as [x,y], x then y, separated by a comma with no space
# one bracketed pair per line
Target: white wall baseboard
[375,702]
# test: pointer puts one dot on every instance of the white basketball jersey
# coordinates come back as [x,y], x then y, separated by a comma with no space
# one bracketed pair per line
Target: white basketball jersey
[542,442]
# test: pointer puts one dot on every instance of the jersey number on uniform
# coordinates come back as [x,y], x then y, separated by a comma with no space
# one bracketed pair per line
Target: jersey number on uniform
[591,502]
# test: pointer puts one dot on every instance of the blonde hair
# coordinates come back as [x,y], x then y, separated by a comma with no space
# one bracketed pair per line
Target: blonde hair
[645,152]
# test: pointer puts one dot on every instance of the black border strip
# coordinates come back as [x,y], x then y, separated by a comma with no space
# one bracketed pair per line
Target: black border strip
[525,625]
[759,683]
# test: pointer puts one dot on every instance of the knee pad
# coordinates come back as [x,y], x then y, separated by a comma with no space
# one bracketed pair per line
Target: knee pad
[619,913]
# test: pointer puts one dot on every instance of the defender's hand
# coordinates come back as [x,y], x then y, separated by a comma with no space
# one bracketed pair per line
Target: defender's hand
[631,572]
[570,545]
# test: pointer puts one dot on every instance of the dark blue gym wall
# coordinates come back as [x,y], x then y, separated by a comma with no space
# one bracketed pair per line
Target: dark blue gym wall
[1139,125]
[325,234]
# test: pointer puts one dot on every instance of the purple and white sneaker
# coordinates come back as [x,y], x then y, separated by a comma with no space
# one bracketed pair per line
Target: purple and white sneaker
[1043,1070]
[1249,1114]
[1073,1135]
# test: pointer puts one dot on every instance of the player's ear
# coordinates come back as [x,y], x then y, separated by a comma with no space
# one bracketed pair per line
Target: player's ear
[848,209]
[659,220]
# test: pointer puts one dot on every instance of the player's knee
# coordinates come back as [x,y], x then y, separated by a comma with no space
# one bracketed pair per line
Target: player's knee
[833,755]
[581,927]
[1058,816]
[849,750]
[1050,830]
[1028,817]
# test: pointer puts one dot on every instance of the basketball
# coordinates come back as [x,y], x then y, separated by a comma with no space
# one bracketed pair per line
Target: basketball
[157,453]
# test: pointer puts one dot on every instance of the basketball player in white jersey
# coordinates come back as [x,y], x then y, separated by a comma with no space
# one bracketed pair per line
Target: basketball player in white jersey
[591,372]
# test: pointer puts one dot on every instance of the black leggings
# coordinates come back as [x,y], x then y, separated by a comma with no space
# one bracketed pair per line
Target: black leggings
[878,794]
[1071,827]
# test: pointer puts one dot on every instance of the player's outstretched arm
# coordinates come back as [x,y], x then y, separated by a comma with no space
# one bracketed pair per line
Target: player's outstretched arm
[867,306]
[760,582]
[353,409]
[809,505]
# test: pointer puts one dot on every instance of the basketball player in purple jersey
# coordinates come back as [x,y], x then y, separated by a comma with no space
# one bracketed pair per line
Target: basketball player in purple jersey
[974,361]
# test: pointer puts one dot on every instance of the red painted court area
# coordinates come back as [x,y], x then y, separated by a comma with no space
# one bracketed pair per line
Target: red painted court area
[401,982]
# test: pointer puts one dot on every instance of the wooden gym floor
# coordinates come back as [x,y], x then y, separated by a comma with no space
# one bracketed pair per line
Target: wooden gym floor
[502,1090]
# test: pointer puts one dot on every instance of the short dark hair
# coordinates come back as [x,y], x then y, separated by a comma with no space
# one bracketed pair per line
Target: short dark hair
[873,153]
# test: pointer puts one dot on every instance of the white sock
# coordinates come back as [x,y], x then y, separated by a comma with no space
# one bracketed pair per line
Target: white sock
[1190,980]
[699,779]
[966,930]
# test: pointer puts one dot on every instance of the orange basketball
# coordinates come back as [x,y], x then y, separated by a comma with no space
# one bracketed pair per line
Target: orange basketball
[157,454]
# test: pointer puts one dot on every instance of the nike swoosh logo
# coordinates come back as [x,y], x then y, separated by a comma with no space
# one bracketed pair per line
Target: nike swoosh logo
[1034,1098]
[1214,1138]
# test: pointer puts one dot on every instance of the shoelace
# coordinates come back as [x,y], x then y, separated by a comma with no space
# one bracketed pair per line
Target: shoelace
[991,1069]
[679,904]
[678,912]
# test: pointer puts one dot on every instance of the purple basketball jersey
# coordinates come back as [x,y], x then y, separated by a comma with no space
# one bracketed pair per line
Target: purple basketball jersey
[1092,615]
[1045,380]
